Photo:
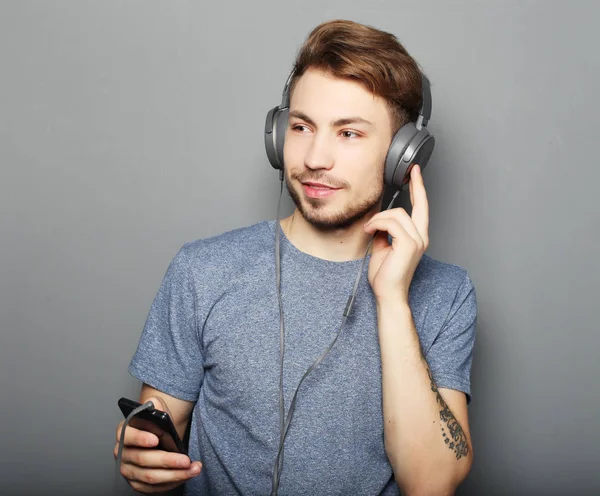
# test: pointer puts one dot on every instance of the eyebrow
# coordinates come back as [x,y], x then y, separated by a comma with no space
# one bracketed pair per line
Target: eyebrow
[344,121]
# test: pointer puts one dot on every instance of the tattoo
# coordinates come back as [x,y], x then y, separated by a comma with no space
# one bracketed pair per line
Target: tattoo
[455,439]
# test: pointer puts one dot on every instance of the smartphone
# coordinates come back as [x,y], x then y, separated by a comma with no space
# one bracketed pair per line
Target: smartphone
[154,421]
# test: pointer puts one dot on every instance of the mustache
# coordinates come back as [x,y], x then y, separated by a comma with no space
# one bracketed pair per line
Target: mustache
[319,177]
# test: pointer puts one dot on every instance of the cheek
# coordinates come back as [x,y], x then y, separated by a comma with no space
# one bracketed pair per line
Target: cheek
[293,149]
[364,164]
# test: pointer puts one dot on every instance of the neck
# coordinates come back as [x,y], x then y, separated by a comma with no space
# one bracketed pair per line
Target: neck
[337,245]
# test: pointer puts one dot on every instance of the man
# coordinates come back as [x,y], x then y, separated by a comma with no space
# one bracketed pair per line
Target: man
[386,409]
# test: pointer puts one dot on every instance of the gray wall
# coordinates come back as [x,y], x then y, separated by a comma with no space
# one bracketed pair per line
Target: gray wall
[123,125]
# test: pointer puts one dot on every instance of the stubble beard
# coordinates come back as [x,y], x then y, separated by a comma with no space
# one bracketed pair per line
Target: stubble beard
[312,209]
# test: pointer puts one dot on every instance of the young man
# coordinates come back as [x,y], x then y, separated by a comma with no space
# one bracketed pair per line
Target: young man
[386,409]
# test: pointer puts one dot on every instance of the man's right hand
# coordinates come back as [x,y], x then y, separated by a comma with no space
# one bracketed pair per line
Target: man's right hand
[148,469]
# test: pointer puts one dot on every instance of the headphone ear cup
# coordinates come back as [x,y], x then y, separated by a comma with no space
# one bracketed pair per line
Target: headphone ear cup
[279,130]
[418,152]
[270,137]
[275,128]
[410,146]
[398,146]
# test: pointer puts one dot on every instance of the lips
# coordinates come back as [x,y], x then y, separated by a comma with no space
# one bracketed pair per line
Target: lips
[318,185]
[318,190]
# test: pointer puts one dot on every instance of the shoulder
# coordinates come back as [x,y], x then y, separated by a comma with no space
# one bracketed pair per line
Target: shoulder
[443,290]
[432,273]
[208,266]
[215,260]
[230,246]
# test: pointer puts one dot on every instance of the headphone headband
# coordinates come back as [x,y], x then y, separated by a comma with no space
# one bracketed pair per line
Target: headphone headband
[285,97]
[425,111]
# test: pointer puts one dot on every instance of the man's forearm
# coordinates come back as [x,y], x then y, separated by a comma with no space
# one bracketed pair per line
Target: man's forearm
[427,448]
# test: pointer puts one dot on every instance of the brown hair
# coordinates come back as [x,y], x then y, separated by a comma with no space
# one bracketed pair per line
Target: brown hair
[348,50]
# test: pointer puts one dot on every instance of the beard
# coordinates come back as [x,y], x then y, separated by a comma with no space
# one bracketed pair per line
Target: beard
[314,209]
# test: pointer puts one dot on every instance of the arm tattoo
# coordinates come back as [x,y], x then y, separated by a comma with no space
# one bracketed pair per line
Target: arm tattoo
[456,440]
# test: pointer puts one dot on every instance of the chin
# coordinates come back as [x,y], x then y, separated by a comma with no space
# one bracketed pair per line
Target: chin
[325,217]
[332,223]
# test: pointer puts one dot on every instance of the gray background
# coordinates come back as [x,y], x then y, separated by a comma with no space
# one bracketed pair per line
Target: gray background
[130,127]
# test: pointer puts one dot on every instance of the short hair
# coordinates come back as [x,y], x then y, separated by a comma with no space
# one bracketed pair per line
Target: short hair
[376,59]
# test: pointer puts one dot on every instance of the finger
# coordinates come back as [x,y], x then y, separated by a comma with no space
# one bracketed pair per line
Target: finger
[380,241]
[420,204]
[137,437]
[410,189]
[400,237]
[153,458]
[151,489]
[155,476]
[400,216]
[391,226]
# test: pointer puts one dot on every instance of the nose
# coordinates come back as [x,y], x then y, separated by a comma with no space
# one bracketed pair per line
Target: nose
[319,154]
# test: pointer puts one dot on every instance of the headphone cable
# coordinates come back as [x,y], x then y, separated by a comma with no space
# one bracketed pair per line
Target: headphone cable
[285,425]
[146,406]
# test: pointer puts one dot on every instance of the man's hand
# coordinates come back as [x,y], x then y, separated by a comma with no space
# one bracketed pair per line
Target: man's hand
[392,267]
[148,469]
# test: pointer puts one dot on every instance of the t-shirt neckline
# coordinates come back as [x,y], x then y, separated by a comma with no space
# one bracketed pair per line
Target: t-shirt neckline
[296,252]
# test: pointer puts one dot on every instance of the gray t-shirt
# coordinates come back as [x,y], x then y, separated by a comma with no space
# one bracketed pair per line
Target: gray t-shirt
[212,337]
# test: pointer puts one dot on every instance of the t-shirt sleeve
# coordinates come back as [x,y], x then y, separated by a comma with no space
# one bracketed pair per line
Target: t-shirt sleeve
[168,356]
[451,354]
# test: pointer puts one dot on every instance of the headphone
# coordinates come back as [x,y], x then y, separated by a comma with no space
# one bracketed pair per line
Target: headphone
[412,143]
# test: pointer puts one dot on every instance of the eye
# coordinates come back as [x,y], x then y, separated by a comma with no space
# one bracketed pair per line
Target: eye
[300,128]
[350,134]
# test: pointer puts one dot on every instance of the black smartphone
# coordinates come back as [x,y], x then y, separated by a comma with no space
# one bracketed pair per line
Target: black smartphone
[154,421]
